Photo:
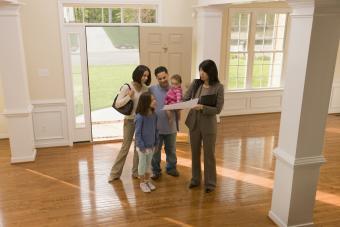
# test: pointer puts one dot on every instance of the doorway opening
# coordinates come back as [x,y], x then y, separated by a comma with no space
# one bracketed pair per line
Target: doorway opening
[112,55]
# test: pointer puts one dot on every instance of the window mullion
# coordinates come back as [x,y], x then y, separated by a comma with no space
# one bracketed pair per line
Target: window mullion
[251,48]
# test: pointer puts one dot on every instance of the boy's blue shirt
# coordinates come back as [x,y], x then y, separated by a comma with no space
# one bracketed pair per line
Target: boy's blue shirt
[163,125]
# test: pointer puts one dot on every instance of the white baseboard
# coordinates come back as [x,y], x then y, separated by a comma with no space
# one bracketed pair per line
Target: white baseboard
[276,219]
[30,158]
[4,136]
[42,144]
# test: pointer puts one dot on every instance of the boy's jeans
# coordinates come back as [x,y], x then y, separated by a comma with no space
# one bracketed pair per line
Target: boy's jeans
[169,141]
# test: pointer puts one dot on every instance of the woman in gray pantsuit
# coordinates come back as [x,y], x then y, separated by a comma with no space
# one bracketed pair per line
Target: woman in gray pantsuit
[202,123]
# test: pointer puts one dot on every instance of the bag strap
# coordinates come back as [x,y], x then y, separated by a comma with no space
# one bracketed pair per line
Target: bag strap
[125,84]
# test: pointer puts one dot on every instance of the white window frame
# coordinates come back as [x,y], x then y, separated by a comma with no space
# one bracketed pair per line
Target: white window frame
[153,4]
[251,44]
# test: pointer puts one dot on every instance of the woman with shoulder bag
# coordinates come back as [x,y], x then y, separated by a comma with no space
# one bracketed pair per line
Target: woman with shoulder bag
[141,77]
[202,123]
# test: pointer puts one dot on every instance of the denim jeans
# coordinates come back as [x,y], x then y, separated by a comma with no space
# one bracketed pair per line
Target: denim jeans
[169,141]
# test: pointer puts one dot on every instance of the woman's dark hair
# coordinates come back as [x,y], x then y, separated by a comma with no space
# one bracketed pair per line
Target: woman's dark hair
[144,102]
[138,74]
[210,68]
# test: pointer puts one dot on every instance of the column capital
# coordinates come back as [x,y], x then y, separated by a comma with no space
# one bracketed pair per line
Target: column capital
[302,7]
[9,3]
[9,7]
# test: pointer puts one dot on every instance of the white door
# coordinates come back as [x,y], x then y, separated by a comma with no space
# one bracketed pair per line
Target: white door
[77,80]
[169,47]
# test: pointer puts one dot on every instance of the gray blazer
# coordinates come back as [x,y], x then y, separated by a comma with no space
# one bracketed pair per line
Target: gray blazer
[205,118]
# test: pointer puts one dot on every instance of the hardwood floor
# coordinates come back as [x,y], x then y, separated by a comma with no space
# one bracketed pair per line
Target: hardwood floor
[68,186]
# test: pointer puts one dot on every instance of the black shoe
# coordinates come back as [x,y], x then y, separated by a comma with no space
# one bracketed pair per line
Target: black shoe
[208,190]
[173,173]
[192,185]
[156,176]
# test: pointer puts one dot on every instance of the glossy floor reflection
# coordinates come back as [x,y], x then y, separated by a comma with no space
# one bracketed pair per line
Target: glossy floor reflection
[68,186]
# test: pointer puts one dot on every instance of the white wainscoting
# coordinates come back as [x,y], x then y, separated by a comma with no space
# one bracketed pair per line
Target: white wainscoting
[266,101]
[3,127]
[252,102]
[334,102]
[50,123]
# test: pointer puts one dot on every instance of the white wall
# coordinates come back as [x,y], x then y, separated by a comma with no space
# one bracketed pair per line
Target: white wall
[40,25]
[178,12]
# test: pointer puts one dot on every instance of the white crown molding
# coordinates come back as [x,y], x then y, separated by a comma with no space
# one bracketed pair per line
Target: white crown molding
[210,11]
[296,162]
[18,112]
[223,2]
[111,2]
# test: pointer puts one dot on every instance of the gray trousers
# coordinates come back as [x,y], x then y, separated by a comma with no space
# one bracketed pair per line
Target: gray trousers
[197,136]
[117,168]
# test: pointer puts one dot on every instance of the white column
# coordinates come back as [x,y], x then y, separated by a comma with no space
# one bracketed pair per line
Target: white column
[209,34]
[313,42]
[18,108]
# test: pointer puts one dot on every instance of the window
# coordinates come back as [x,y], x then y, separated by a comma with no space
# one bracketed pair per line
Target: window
[113,15]
[256,49]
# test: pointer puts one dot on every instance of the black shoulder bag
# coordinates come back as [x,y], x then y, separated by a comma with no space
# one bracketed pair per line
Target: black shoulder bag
[127,108]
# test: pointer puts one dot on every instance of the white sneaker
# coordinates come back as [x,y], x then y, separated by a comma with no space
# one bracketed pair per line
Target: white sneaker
[144,187]
[151,186]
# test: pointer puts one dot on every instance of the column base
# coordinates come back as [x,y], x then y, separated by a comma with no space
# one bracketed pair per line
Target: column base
[21,135]
[294,193]
[281,223]
[30,158]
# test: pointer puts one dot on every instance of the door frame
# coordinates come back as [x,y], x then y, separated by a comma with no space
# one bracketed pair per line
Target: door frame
[64,30]
[85,133]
